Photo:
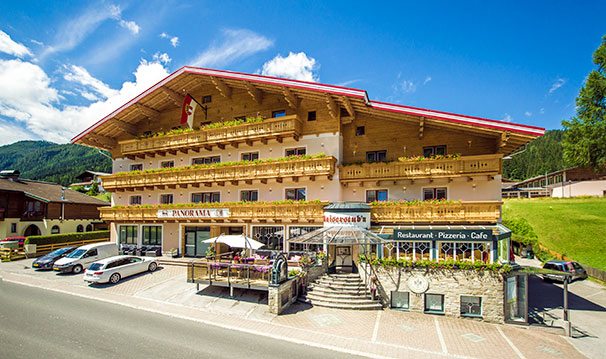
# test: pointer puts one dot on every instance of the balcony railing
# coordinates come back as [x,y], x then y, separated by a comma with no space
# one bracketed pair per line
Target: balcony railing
[436,213]
[287,126]
[307,212]
[322,166]
[426,168]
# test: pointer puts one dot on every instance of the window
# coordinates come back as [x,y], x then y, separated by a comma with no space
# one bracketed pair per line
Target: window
[434,303]
[373,195]
[434,193]
[55,229]
[376,156]
[152,235]
[166,198]
[249,156]
[311,116]
[279,113]
[136,167]
[413,250]
[206,197]
[127,235]
[296,231]
[464,251]
[296,194]
[167,164]
[271,236]
[207,99]
[400,300]
[471,306]
[13,227]
[134,200]
[360,131]
[249,195]
[206,160]
[299,151]
[430,151]
[80,228]
[89,228]
[90,253]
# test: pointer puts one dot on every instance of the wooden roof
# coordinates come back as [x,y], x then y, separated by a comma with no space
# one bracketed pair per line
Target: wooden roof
[170,92]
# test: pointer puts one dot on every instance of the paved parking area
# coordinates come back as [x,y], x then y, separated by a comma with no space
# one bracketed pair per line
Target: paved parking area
[385,333]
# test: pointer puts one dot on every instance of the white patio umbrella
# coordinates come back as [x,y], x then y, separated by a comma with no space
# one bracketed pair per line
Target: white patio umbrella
[236,241]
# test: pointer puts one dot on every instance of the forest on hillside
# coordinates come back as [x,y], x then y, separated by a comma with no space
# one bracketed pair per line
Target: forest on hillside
[541,156]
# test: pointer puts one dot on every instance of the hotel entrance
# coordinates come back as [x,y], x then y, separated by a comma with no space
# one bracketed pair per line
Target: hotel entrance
[343,259]
[194,241]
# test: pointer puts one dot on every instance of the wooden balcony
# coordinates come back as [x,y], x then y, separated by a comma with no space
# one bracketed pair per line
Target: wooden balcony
[437,213]
[261,212]
[207,176]
[275,128]
[428,168]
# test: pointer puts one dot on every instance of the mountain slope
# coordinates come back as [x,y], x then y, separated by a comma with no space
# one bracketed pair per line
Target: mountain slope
[541,156]
[47,161]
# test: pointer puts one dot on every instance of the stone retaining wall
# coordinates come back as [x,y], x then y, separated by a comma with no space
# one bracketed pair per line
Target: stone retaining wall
[452,284]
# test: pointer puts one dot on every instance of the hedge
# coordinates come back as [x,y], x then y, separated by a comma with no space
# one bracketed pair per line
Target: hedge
[66,237]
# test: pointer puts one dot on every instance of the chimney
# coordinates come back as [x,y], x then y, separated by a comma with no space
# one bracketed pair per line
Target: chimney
[12,175]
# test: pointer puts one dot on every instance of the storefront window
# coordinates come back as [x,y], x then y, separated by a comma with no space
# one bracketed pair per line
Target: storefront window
[400,300]
[152,235]
[271,236]
[413,250]
[128,235]
[503,246]
[434,303]
[296,231]
[464,251]
[471,306]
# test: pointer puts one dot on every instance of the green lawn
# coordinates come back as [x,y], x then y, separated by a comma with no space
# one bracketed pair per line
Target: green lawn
[574,227]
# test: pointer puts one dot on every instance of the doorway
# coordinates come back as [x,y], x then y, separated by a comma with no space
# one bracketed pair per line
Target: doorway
[344,259]
[194,241]
[32,230]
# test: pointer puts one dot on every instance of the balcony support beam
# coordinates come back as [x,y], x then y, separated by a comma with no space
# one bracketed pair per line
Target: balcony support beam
[254,92]
[333,108]
[421,127]
[292,100]
[222,87]
[350,109]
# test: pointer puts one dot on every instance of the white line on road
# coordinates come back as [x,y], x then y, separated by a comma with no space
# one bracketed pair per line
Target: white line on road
[440,336]
[509,342]
[375,331]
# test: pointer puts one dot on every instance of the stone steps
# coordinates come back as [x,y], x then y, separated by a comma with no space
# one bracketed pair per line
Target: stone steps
[342,291]
[319,303]
[339,291]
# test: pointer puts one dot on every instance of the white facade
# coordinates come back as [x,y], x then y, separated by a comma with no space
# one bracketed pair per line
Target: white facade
[584,188]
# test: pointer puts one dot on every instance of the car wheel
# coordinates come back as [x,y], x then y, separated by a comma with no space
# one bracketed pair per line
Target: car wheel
[77,269]
[152,266]
[115,278]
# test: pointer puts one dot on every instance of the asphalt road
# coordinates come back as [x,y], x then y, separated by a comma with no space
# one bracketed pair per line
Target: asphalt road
[40,323]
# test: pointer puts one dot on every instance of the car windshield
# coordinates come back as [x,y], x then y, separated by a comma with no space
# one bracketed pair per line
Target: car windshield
[95,266]
[77,253]
[58,252]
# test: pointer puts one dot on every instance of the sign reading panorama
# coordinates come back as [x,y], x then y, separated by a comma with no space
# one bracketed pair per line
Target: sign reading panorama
[443,234]
[194,213]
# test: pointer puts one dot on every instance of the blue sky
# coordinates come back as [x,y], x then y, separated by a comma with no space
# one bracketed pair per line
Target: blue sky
[64,65]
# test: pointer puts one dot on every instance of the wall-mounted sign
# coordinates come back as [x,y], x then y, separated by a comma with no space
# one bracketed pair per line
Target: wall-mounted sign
[194,213]
[443,234]
[418,284]
[350,219]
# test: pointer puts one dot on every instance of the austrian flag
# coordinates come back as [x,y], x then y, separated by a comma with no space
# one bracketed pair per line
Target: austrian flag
[187,112]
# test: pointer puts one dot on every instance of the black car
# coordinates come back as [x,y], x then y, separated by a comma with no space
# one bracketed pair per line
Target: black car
[47,261]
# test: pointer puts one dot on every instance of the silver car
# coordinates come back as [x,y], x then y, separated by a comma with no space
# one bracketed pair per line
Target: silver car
[111,270]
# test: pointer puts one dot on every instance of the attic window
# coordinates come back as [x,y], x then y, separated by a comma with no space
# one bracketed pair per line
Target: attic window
[207,99]
[360,131]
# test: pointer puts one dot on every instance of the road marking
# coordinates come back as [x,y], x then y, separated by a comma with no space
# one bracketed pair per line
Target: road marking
[440,336]
[375,331]
[510,343]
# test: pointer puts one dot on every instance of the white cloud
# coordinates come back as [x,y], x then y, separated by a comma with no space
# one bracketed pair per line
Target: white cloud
[235,45]
[130,26]
[81,76]
[89,96]
[556,85]
[8,46]
[527,113]
[427,79]
[174,40]
[162,58]
[507,118]
[348,82]
[16,133]
[297,66]
[39,43]
[27,97]
[542,111]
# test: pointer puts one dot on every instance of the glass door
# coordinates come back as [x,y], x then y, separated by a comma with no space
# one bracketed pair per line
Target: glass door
[194,241]
[202,234]
[516,298]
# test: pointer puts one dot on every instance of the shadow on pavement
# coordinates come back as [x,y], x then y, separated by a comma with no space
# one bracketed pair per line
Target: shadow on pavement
[242,295]
[122,280]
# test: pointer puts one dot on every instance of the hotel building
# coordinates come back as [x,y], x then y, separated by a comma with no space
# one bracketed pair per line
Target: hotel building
[266,155]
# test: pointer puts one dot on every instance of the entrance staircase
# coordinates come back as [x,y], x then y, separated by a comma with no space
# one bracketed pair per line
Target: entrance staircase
[342,291]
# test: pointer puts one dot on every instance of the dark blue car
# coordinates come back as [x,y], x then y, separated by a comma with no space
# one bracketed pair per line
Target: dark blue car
[47,261]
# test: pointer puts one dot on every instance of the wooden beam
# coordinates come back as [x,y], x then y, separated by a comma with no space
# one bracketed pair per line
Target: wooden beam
[254,92]
[421,127]
[504,139]
[222,87]
[125,127]
[174,97]
[292,100]
[147,111]
[102,141]
[333,108]
[349,108]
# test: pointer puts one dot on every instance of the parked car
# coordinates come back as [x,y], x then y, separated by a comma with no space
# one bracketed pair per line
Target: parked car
[19,239]
[79,259]
[573,269]
[47,261]
[111,270]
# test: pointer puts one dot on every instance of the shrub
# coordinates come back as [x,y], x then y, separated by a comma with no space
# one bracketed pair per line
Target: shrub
[522,231]
[66,237]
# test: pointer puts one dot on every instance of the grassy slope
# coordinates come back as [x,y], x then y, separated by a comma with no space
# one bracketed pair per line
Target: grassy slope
[573,227]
